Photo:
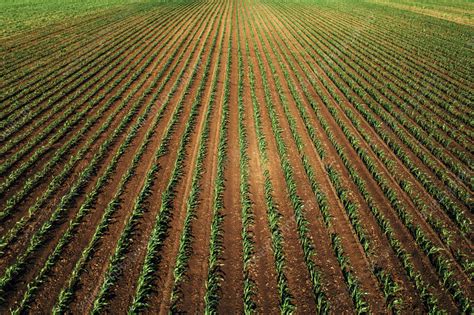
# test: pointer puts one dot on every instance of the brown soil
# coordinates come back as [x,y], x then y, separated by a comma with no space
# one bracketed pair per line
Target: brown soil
[43,57]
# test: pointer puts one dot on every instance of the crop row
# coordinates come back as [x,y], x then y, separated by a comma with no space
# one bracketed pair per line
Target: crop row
[296,201]
[59,155]
[378,79]
[185,242]
[430,57]
[113,205]
[58,89]
[357,86]
[214,274]
[319,117]
[248,223]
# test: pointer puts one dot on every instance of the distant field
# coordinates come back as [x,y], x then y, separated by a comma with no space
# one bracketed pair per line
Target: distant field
[451,10]
[237,157]
[26,15]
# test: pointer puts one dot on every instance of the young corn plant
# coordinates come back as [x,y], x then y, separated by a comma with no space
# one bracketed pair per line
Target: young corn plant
[246,203]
